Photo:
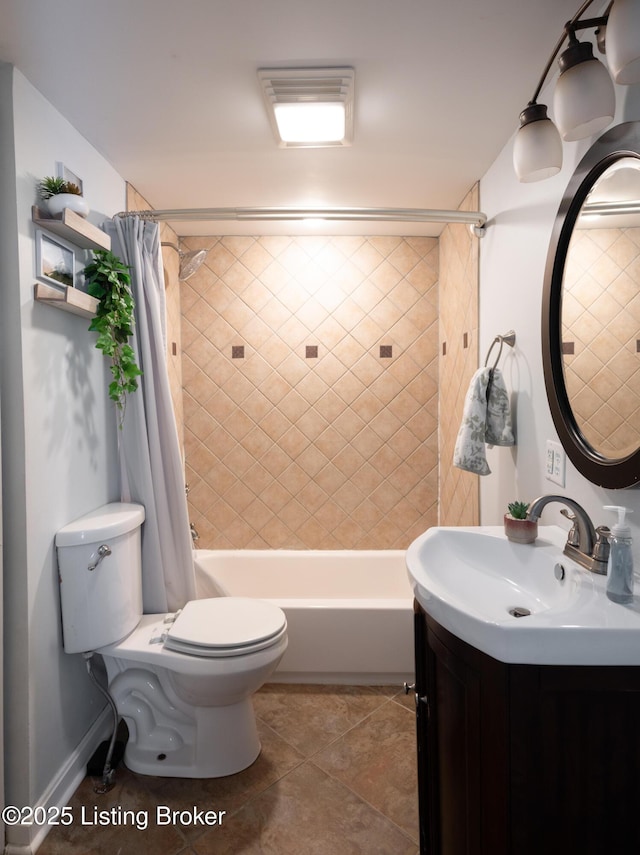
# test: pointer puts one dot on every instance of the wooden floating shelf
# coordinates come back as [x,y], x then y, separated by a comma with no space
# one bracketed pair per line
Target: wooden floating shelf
[72,227]
[66,298]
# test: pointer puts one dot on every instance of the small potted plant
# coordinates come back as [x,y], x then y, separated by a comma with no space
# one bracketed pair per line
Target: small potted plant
[60,194]
[517,527]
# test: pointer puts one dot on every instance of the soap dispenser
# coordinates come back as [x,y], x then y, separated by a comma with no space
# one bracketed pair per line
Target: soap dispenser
[620,567]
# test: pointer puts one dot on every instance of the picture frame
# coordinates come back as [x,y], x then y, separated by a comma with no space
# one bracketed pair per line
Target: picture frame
[55,261]
[69,176]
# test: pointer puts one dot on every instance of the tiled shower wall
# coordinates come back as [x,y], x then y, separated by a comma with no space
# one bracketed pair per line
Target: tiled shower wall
[459,499]
[310,372]
[601,319]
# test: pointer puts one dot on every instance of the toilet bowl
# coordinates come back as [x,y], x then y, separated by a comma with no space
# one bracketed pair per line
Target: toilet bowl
[182,682]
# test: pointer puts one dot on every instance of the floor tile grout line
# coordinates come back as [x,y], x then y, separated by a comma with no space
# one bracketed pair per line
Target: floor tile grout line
[312,757]
[367,802]
[353,726]
[280,777]
[311,760]
[188,845]
[332,741]
[260,793]
[385,701]
[279,735]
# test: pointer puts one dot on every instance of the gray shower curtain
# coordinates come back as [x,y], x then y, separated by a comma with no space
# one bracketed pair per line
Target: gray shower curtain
[150,460]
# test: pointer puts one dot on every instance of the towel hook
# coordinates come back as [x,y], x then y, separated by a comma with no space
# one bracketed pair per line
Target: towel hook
[509,338]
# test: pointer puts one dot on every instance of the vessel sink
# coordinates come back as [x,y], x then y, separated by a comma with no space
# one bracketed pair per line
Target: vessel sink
[521,603]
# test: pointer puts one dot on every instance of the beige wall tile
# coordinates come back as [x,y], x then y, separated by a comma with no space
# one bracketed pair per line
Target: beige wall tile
[459,497]
[600,317]
[319,452]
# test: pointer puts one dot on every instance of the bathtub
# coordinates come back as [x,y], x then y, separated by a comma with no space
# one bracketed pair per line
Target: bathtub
[349,612]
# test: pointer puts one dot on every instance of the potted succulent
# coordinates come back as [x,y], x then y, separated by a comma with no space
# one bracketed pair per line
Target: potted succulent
[60,194]
[517,527]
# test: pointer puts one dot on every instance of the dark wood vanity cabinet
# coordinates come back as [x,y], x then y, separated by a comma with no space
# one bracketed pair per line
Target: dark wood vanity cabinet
[524,759]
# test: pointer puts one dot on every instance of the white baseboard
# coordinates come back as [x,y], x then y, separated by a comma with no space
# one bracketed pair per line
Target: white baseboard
[25,839]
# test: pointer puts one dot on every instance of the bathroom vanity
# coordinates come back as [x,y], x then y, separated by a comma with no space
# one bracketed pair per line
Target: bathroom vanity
[523,759]
[515,755]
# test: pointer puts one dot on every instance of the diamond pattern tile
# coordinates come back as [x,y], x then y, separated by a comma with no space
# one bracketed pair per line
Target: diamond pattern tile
[601,316]
[287,451]
[459,499]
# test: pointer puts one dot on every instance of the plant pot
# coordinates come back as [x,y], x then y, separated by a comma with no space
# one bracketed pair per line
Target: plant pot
[520,531]
[56,204]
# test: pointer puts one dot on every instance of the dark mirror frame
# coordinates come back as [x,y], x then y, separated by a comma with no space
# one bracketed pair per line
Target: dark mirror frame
[621,141]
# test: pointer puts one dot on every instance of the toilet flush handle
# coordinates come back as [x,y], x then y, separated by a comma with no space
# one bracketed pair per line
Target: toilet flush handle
[103,551]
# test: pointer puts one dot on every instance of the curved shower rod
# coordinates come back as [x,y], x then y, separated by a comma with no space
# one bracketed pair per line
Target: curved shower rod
[475,219]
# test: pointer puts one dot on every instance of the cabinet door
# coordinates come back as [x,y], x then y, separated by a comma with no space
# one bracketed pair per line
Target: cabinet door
[454,751]
[462,736]
[575,755]
[426,793]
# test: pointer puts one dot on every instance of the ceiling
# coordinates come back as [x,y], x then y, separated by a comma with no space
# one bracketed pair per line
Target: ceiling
[168,93]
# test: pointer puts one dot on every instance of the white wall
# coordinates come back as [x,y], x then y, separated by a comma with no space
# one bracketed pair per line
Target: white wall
[512,262]
[59,450]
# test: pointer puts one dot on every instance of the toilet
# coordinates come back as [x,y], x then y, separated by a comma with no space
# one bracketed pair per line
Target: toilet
[182,682]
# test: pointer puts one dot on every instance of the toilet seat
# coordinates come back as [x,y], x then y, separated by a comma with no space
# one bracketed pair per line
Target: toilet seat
[225,626]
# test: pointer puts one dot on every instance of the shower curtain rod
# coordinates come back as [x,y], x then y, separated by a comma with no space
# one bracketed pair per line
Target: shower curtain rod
[475,219]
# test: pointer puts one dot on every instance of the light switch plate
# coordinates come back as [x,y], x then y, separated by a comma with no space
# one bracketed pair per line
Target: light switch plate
[555,463]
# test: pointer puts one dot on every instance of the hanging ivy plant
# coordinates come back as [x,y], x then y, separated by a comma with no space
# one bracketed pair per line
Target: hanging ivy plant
[109,282]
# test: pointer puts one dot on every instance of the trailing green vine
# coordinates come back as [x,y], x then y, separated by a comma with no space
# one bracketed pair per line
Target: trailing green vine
[109,282]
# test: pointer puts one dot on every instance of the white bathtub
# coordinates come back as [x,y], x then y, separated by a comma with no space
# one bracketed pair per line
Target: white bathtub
[349,612]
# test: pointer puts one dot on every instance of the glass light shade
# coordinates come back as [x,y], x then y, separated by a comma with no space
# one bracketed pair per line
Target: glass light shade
[584,101]
[623,41]
[537,148]
[310,122]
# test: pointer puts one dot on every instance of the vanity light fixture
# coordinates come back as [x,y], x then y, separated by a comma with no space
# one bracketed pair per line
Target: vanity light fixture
[584,98]
[309,107]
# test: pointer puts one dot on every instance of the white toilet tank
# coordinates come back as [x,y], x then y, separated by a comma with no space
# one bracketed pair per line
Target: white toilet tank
[104,604]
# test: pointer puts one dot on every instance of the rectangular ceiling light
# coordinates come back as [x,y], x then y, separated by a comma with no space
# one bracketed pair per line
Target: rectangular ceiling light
[309,107]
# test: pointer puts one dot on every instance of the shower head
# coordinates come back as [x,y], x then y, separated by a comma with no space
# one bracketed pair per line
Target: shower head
[189,261]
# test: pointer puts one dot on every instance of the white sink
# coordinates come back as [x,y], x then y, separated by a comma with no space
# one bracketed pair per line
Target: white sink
[474,582]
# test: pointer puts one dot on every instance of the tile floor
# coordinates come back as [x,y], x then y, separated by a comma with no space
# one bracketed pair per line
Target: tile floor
[336,776]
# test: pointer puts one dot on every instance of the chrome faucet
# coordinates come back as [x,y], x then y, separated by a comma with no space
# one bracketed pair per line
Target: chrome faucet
[585,544]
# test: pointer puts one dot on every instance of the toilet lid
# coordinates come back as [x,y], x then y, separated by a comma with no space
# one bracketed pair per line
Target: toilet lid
[226,626]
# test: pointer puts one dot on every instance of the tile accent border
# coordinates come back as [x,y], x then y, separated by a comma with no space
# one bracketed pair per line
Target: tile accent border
[341,453]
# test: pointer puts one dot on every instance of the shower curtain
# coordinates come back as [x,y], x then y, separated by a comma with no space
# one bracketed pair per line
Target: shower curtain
[150,461]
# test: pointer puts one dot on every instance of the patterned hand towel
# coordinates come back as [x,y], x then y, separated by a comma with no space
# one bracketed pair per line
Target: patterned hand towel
[484,422]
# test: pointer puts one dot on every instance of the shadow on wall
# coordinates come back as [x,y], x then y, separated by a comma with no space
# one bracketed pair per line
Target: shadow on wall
[69,384]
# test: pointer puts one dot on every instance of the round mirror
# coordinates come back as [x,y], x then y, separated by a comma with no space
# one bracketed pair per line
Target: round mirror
[591,312]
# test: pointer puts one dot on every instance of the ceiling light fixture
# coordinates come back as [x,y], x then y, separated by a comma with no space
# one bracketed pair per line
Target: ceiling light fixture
[584,99]
[309,107]
[310,123]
